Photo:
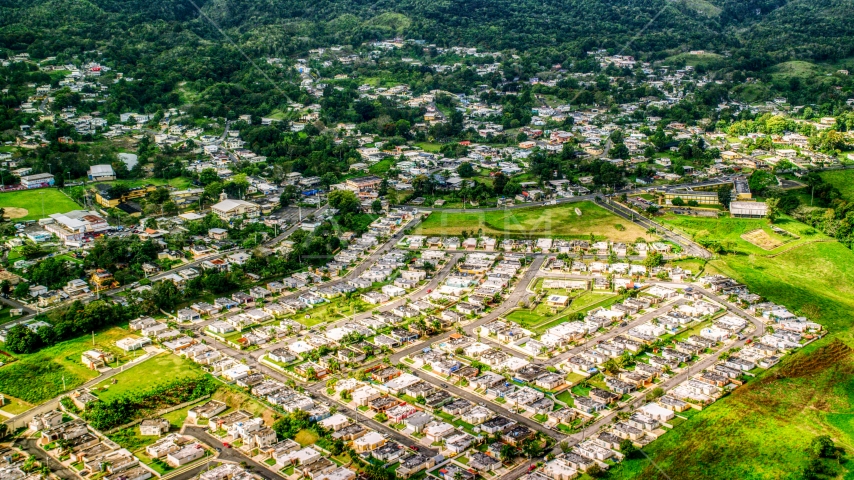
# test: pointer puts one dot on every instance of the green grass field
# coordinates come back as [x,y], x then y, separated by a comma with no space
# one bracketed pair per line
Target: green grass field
[381,167]
[162,368]
[731,229]
[763,429]
[540,318]
[306,437]
[39,376]
[841,179]
[38,203]
[335,309]
[429,147]
[14,406]
[559,221]
[178,182]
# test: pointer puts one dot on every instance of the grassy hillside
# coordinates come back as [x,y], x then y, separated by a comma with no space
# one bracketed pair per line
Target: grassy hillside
[841,179]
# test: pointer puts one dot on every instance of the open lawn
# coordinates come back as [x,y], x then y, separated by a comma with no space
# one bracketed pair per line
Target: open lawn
[335,309]
[238,400]
[540,318]
[763,430]
[142,376]
[429,147]
[39,376]
[841,179]
[382,166]
[557,221]
[35,204]
[306,437]
[15,406]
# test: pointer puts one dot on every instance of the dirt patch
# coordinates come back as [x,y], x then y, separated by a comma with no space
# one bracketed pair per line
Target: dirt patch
[15,212]
[761,239]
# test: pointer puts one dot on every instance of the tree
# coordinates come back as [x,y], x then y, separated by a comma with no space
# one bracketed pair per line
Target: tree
[465,170]
[507,453]
[628,448]
[170,208]
[21,339]
[823,447]
[773,205]
[653,259]
[208,176]
[760,180]
[611,366]
[377,206]
[499,181]
[344,201]
[532,448]
[288,195]
[654,394]
[678,202]
[31,249]
[725,196]
[595,471]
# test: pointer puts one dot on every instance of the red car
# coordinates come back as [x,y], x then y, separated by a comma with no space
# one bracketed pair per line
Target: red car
[531,468]
[226,445]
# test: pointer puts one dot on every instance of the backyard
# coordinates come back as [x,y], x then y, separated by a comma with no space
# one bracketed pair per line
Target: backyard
[559,221]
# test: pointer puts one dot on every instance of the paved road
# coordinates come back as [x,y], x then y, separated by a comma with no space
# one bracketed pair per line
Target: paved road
[688,245]
[30,446]
[614,332]
[230,454]
[685,374]
[519,292]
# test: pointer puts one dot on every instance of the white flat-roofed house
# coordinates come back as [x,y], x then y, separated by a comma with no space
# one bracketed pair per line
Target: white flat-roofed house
[229,209]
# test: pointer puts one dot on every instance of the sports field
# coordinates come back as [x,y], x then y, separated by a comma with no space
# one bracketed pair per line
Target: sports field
[35,204]
[558,221]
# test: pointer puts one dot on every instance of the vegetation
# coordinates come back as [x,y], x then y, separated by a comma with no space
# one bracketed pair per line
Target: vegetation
[138,403]
[145,374]
[77,319]
[50,371]
[36,203]
[552,221]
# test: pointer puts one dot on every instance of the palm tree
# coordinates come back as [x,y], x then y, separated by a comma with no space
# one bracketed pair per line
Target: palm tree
[507,453]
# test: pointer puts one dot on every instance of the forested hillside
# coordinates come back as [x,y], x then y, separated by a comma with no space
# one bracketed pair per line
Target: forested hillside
[647,28]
